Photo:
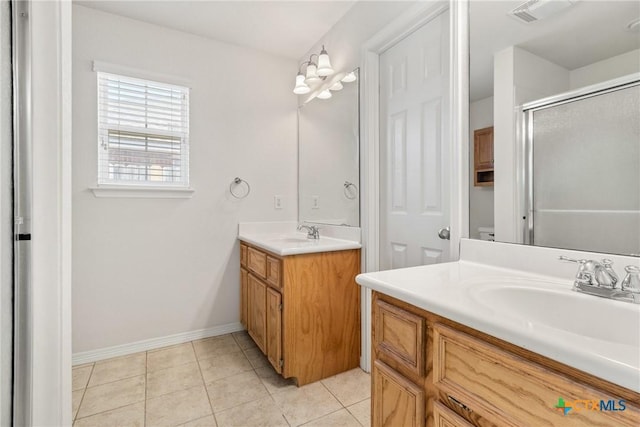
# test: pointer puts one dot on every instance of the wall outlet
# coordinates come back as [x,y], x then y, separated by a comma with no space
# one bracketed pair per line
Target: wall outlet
[315,202]
[277,202]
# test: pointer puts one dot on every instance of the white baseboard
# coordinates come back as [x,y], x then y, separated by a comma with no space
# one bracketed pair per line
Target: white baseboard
[153,343]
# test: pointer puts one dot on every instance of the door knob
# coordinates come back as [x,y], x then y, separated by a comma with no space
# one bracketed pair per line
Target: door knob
[444,233]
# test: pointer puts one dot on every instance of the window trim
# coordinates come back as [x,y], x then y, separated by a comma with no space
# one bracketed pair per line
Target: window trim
[141,189]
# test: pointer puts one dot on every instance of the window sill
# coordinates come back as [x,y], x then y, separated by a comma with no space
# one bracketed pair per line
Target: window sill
[142,192]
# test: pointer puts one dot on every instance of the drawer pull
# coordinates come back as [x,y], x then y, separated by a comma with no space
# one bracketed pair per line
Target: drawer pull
[459,404]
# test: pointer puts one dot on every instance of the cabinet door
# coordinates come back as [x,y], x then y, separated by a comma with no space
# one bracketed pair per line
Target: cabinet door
[257,311]
[274,328]
[396,400]
[483,148]
[243,297]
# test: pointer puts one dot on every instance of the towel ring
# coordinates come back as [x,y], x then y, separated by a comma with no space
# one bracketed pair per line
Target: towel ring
[236,182]
[349,196]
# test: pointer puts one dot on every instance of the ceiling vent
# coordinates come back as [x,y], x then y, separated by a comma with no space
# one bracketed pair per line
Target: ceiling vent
[535,10]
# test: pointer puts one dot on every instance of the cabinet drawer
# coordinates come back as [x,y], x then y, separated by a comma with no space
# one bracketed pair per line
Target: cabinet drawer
[243,255]
[508,390]
[273,272]
[399,337]
[257,262]
[445,417]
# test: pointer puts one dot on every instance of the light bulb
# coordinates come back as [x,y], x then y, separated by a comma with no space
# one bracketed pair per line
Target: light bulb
[325,94]
[312,74]
[336,86]
[350,77]
[301,87]
[324,64]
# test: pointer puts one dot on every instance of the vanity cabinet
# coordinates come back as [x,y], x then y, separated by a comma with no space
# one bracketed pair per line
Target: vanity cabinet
[473,379]
[302,311]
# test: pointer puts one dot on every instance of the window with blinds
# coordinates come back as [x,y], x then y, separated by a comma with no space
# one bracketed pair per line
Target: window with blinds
[143,132]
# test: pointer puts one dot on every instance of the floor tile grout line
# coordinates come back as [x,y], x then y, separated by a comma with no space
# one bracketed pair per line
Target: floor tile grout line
[170,367]
[359,401]
[354,416]
[75,416]
[119,379]
[239,404]
[334,396]
[204,383]
[108,410]
[326,415]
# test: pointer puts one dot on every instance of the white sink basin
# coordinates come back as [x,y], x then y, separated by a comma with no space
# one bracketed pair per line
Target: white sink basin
[561,308]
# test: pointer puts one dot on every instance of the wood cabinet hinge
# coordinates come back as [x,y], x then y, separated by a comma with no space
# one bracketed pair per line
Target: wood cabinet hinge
[281,363]
[280,307]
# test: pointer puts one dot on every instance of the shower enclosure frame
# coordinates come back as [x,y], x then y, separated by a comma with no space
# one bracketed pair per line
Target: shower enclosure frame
[525,117]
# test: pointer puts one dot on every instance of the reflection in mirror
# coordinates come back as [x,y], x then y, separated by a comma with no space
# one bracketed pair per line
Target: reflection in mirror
[328,158]
[571,184]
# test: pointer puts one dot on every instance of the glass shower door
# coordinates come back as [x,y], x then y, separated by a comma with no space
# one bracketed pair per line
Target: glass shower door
[585,172]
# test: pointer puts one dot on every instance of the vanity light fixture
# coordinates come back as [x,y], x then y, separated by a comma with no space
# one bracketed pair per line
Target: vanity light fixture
[312,73]
[336,86]
[317,70]
[325,94]
[301,87]
[324,64]
[350,77]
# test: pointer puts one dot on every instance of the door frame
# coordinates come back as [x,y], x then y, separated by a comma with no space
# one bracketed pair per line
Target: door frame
[398,29]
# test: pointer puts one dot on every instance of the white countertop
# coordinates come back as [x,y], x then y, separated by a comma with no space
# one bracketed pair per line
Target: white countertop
[282,238]
[450,290]
[297,243]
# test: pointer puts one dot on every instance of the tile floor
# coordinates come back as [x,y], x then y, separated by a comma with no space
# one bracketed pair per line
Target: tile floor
[219,381]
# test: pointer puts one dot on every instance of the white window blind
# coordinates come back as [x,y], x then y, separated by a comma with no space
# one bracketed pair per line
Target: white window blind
[143,132]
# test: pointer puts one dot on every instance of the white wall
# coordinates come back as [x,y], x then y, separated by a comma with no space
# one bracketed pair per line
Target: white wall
[519,77]
[608,69]
[147,268]
[480,198]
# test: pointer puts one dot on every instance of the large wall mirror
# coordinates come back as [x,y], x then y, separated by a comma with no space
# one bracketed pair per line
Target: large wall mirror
[554,120]
[328,162]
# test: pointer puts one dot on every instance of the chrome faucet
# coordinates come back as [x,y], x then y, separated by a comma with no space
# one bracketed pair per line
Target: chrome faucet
[313,232]
[600,279]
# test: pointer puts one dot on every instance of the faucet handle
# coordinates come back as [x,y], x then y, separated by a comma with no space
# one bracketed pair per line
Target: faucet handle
[631,281]
[586,271]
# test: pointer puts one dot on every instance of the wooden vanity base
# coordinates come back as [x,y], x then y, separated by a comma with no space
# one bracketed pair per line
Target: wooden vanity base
[428,370]
[303,311]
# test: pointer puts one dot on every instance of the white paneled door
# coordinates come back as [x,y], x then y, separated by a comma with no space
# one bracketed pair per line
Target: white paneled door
[414,147]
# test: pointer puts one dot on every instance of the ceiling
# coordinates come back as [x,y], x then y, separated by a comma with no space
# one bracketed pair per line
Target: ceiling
[587,32]
[284,28]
